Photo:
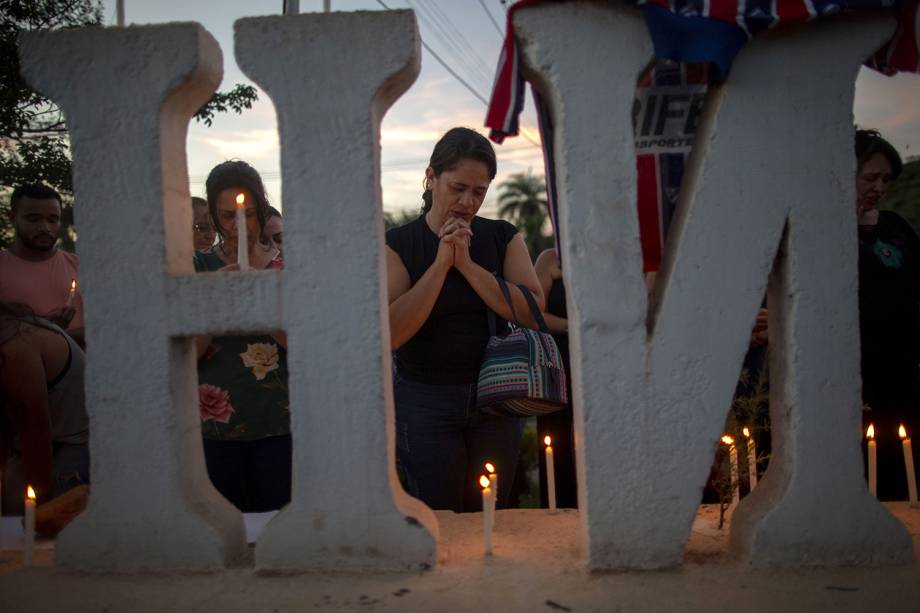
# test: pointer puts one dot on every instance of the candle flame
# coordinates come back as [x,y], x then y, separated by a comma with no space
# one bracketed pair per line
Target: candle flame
[240,199]
[746,432]
[870,432]
[728,440]
[30,493]
[547,440]
[902,431]
[73,284]
[484,481]
[490,467]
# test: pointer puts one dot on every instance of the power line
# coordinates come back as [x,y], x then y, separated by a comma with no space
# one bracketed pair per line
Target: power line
[458,77]
[492,19]
[447,39]
[444,64]
[471,50]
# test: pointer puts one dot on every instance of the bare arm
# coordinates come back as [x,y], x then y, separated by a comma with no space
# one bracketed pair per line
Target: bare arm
[517,270]
[547,264]
[25,387]
[410,305]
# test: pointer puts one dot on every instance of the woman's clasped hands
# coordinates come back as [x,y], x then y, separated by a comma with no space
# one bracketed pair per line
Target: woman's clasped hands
[454,249]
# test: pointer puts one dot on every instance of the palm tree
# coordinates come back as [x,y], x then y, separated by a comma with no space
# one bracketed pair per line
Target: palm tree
[522,201]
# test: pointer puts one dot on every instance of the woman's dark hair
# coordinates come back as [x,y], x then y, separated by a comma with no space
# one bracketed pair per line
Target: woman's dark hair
[456,145]
[236,174]
[273,212]
[870,142]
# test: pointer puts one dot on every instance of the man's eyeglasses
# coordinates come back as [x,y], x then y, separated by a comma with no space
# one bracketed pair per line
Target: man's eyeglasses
[203,228]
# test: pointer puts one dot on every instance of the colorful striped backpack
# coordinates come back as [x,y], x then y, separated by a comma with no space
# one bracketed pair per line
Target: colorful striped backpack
[522,373]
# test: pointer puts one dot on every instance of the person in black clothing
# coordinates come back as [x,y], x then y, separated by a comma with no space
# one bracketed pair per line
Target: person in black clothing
[889,322]
[558,425]
[441,271]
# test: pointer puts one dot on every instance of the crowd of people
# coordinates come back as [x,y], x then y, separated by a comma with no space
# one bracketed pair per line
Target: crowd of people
[441,286]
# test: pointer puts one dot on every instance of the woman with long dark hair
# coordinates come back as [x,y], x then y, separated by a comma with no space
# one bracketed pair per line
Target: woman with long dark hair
[242,378]
[441,271]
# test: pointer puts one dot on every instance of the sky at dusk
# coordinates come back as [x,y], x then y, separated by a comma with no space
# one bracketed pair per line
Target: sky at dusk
[462,33]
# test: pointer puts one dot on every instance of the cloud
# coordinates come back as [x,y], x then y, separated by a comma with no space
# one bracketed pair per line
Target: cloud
[244,144]
[405,133]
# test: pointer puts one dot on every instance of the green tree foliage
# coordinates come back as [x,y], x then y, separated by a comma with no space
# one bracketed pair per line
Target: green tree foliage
[903,196]
[34,139]
[522,201]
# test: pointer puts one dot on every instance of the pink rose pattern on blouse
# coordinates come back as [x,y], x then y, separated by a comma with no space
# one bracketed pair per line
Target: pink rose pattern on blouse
[214,403]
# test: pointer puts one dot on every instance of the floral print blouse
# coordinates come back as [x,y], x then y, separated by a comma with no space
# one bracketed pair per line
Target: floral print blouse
[242,381]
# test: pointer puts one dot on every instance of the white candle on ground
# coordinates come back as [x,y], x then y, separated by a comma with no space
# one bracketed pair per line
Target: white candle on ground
[872,460]
[242,249]
[488,513]
[72,294]
[751,458]
[733,458]
[909,465]
[29,545]
[550,474]
[493,483]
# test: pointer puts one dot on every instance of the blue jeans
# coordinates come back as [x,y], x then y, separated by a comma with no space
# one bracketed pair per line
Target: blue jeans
[442,442]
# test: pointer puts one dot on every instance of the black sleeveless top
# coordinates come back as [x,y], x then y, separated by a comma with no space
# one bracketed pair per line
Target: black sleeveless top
[449,346]
[889,295]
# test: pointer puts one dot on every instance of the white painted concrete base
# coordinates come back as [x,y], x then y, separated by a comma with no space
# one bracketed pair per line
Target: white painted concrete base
[537,566]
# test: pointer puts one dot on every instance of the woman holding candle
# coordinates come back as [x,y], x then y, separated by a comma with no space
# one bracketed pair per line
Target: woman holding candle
[441,272]
[889,299]
[44,429]
[242,378]
[225,183]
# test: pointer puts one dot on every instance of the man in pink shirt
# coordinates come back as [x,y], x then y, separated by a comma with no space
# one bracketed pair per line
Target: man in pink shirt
[33,271]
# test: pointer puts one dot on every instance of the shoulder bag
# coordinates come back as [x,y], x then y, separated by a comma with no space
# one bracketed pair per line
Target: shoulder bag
[522,373]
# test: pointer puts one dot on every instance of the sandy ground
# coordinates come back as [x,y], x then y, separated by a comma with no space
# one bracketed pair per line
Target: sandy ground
[536,567]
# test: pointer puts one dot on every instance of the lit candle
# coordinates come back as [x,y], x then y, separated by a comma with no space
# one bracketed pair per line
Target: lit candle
[550,474]
[30,527]
[733,456]
[493,482]
[488,513]
[751,458]
[72,294]
[873,471]
[242,248]
[909,465]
